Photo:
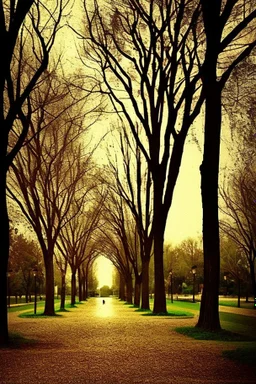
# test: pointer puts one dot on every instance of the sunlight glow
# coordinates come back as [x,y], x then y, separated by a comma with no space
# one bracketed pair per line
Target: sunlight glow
[104,310]
[104,271]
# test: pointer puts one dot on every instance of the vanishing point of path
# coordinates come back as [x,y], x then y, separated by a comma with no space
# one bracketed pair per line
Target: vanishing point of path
[113,344]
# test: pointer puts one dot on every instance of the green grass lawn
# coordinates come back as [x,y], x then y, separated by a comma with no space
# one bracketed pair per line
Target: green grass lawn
[237,329]
[233,303]
[236,323]
[182,305]
[175,309]
[27,309]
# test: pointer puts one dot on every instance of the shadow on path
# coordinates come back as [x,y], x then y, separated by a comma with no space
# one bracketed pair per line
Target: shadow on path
[111,343]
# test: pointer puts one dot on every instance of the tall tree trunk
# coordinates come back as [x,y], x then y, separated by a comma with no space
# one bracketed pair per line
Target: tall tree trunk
[63,291]
[129,288]
[73,288]
[80,287]
[252,272]
[86,291]
[137,289]
[159,285]
[4,335]
[159,290]
[86,277]
[84,294]
[49,285]
[121,287]
[145,285]
[209,314]
[209,310]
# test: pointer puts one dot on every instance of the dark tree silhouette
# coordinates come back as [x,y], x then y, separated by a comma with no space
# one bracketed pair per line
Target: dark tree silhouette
[239,220]
[133,183]
[26,44]
[227,27]
[78,238]
[46,173]
[145,55]
[121,240]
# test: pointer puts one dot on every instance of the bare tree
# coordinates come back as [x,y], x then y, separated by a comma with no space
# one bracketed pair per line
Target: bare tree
[46,174]
[22,30]
[121,242]
[62,265]
[239,222]
[234,266]
[181,258]
[24,256]
[86,270]
[78,239]
[230,37]
[145,54]
[151,57]
[133,183]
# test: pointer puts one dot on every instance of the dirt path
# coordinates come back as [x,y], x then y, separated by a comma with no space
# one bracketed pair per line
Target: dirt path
[112,344]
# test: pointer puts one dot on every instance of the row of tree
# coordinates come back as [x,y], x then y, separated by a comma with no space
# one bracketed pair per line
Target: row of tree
[26,263]
[26,259]
[157,62]
[53,180]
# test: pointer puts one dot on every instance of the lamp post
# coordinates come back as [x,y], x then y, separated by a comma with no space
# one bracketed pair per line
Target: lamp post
[239,291]
[238,282]
[193,269]
[170,276]
[8,288]
[226,279]
[35,276]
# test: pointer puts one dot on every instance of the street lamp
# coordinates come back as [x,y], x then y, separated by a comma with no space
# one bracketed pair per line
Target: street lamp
[193,269]
[226,279]
[226,284]
[35,271]
[170,276]
[8,287]
[239,283]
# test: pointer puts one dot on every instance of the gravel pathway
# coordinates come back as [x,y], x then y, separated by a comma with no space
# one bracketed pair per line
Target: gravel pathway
[113,344]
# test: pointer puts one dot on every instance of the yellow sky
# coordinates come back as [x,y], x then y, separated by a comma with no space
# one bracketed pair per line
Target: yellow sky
[185,216]
[104,269]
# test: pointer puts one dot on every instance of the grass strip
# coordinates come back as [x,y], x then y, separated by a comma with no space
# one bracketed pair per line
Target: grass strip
[222,335]
[244,355]
[170,314]
[32,315]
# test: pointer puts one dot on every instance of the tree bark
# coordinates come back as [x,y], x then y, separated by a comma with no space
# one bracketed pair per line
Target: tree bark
[137,289]
[159,284]
[84,294]
[87,282]
[128,280]
[4,252]
[73,288]
[121,288]
[145,285]
[209,314]
[80,285]
[252,272]
[63,292]
[209,310]
[49,309]
[159,222]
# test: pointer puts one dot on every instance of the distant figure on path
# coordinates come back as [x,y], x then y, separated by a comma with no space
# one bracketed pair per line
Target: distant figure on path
[103,301]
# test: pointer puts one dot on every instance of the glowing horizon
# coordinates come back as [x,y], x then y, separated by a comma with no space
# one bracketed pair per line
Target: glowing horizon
[104,272]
